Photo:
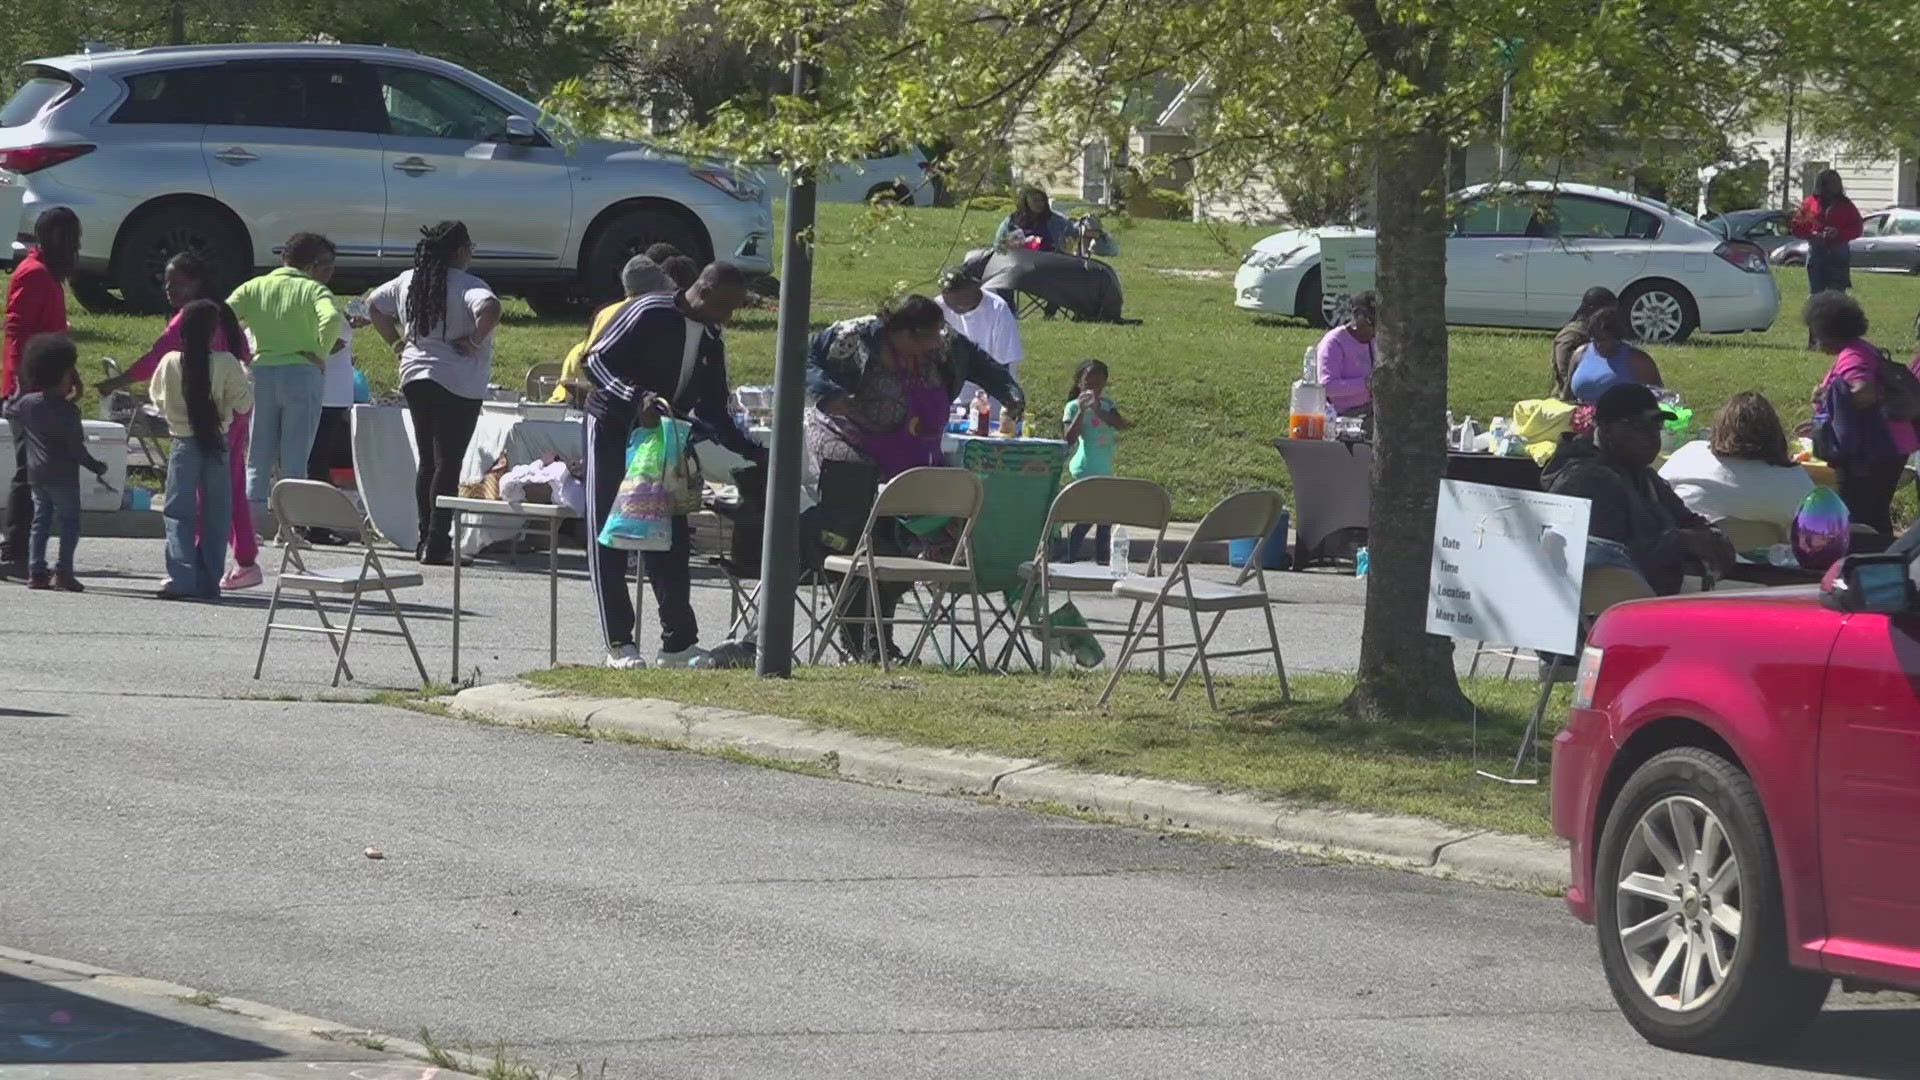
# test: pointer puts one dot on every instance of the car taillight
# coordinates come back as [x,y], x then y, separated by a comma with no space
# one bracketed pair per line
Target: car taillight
[1588,677]
[1747,257]
[31,159]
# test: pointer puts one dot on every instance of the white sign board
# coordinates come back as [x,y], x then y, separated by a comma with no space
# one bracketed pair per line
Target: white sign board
[1347,265]
[1507,567]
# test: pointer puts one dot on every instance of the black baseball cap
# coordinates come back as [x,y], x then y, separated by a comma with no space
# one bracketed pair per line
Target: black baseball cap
[1628,401]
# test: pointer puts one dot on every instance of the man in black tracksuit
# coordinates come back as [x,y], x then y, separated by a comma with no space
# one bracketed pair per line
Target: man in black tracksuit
[665,347]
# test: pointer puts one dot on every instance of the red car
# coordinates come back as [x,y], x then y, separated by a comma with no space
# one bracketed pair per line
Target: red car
[1740,781]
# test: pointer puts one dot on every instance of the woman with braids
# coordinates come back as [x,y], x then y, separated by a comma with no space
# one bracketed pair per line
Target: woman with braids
[295,324]
[200,389]
[190,278]
[440,319]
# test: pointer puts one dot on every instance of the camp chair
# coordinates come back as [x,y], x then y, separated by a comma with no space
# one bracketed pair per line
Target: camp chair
[925,492]
[1096,500]
[145,426]
[309,504]
[541,380]
[1250,515]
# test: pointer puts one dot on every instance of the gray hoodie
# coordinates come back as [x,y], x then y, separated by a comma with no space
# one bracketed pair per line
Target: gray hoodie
[49,424]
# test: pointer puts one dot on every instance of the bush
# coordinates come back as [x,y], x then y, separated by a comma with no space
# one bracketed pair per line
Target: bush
[994,204]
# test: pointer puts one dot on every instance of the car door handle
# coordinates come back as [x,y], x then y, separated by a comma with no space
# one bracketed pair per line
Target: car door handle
[236,155]
[1509,256]
[413,166]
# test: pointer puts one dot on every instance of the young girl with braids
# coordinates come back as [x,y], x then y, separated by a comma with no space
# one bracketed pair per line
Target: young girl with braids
[189,278]
[199,389]
[440,319]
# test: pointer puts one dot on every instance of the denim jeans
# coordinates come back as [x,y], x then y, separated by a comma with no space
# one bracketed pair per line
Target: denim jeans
[55,506]
[198,509]
[286,414]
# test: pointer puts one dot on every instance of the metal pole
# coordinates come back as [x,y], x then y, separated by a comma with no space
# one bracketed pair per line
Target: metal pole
[780,548]
[1506,113]
[177,23]
[1786,166]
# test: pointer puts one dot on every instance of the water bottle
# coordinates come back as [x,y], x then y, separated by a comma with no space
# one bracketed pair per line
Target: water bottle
[1360,563]
[1119,551]
[1498,446]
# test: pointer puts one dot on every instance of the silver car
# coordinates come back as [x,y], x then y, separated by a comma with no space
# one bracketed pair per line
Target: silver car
[1889,242]
[229,149]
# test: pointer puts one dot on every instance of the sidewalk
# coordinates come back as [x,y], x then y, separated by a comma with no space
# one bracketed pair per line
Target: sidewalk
[61,1019]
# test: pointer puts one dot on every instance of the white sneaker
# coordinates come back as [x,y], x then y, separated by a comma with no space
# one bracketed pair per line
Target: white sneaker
[681,659]
[625,658]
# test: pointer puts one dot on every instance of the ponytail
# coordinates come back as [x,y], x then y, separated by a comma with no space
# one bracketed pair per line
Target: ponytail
[427,289]
[197,322]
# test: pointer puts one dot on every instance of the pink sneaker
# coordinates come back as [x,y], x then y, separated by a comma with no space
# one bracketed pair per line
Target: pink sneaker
[241,577]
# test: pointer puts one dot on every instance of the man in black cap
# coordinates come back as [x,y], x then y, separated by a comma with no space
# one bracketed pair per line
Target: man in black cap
[1637,520]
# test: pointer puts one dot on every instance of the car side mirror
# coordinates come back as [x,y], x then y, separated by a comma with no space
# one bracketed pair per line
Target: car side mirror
[1874,584]
[520,130]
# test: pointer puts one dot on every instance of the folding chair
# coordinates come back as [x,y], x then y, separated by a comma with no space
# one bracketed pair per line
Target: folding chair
[304,504]
[1248,515]
[1746,535]
[145,425]
[1096,500]
[947,493]
[541,380]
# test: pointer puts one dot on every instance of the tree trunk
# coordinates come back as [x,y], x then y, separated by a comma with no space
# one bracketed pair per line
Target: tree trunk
[1406,673]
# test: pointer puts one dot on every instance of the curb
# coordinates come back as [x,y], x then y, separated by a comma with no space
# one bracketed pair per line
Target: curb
[1407,843]
[268,1016]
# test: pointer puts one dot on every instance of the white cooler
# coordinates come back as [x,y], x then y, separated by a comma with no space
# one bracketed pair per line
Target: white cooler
[107,441]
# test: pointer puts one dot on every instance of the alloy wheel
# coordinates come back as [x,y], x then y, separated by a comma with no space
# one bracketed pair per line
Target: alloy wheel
[1657,315]
[1679,894]
[1336,309]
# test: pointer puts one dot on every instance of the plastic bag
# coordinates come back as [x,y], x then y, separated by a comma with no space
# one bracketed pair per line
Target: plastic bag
[653,492]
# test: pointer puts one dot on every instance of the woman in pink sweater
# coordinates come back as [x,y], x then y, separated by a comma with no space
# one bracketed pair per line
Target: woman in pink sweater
[187,280]
[1345,359]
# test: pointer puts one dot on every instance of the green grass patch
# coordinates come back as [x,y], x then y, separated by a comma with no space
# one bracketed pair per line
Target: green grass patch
[1206,384]
[1304,750]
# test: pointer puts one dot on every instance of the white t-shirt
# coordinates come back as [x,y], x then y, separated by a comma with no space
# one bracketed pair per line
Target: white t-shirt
[434,357]
[992,326]
[1717,488]
[338,391]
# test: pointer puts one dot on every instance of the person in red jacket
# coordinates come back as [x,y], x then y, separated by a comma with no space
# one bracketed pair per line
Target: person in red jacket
[36,304]
[1828,221]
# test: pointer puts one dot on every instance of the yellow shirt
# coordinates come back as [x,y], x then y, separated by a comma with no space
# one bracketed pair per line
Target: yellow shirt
[573,368]
[232,391]
[289,313]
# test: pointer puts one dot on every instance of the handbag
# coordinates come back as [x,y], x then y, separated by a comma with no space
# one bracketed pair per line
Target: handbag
[660,478]
[1899,390]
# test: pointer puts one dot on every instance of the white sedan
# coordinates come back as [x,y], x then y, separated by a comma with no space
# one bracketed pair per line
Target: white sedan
[1522,255]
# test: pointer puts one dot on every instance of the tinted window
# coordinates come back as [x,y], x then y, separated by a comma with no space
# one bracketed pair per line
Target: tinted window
[425,105]
[34,95]
[1574,218]
[181,96]
[317,97]
[1490,217]
[1767,227]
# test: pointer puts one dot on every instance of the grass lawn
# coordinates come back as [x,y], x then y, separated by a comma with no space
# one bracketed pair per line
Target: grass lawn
[1305,750]
[1206,384]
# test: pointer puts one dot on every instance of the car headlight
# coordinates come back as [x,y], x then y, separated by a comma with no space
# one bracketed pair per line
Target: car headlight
[1588,677]
[735,185]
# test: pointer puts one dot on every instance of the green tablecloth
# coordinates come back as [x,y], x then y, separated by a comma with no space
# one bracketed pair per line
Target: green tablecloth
[1021,477]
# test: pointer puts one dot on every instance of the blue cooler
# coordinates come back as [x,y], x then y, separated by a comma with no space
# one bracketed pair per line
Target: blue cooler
[1277,556]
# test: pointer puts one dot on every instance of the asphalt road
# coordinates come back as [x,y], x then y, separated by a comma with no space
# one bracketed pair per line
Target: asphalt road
[676,916]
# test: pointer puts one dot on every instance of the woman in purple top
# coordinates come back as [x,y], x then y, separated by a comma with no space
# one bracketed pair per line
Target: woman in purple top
[1345,359]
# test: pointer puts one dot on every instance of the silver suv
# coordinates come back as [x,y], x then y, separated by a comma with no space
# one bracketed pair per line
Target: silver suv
[229,149]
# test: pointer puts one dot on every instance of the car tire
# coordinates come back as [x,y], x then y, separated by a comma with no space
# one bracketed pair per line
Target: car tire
[93,294]
[1660,312]
[556,304]
[631,233]
[1311,305]
[156,235]
[1658,931]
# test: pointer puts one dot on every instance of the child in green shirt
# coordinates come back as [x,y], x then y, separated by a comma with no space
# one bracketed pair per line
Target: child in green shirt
[1091,420]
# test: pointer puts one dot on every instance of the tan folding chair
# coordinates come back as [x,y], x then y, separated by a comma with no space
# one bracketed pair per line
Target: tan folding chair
[1746,535]
[948,493]
[1100,501]
[1248,515]
[310,504]
[541,380]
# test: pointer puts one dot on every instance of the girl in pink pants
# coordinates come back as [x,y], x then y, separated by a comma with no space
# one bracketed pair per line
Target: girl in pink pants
[187,280]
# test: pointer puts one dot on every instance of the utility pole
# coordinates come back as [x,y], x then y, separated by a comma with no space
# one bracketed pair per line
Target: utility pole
[177,22]
[1509,59]
[780,548]
[1786,165]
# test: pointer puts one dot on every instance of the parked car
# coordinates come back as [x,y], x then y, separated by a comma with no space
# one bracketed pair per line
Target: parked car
[1521,256]
[906,177]
[228,149]
[1889,242]
[1740,781]
[1766,229]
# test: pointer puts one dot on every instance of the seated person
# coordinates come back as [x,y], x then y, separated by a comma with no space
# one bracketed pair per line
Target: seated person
[1609,360]
[1033,225]
[1744,471]
[639,277]
[1572,339]
[1637,521]
[1345,359]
